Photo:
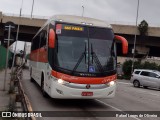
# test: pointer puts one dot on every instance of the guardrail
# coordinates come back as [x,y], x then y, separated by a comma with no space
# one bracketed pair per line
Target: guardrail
[26,16]
[20,94]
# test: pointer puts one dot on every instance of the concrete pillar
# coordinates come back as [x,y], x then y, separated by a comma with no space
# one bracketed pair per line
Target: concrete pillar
[1,26]
[0,15]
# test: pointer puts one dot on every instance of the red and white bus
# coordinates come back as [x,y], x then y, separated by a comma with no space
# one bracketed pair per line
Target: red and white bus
[75,58]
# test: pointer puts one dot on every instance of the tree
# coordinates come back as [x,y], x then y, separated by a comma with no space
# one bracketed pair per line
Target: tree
[143,28]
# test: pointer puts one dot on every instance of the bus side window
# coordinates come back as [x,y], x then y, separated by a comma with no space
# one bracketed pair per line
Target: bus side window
[35,43]
[43,37]
[32,46]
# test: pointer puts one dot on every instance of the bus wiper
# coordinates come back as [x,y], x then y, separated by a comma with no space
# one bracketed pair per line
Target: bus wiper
[112,50]
[80,59]
[95,58]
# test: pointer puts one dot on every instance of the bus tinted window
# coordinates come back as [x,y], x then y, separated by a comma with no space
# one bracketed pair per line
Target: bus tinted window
[43,37]
[101,33]
[35,43]
[39,40]
[79,43]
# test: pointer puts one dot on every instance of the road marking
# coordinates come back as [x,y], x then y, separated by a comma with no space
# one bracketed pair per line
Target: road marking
[109,105]
[115,108]
[125,83]
[146,92]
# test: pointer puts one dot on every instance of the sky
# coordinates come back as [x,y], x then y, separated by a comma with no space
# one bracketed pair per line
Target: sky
[112,11]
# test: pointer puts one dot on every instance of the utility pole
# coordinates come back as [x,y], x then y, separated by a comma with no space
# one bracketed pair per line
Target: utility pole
[32,9]
[135,38]
[12,82]
[16,38]
[8,27]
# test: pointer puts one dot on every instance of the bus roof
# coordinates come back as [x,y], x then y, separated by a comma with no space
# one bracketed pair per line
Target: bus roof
[80,20]
[76,20]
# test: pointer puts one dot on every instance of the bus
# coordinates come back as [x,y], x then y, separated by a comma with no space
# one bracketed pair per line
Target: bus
[74,57]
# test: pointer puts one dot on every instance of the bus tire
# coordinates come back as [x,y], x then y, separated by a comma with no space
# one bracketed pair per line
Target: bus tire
[31,79]
[42,86]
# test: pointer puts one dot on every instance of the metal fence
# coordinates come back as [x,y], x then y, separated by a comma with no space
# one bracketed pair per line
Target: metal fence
[20,95]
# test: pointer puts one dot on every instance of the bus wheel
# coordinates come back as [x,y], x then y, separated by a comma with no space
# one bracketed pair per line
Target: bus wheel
[42,87]
[31,79]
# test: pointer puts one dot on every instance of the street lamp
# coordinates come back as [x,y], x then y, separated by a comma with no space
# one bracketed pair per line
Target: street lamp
[11,82]
[82,10]
[17,37]
[8,27]
[135,38]
[32,8]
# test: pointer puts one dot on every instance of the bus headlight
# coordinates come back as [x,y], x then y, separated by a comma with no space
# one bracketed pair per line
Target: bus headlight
[110,83]
[60,81]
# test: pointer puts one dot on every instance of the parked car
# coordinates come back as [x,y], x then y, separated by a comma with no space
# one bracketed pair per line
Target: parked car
[145,78]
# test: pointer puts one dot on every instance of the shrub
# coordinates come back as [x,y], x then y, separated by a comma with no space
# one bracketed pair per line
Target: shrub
[127,67]
[148,65]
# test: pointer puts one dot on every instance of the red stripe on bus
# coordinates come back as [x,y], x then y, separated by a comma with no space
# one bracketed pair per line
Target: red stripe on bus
[83,80]
[39,55]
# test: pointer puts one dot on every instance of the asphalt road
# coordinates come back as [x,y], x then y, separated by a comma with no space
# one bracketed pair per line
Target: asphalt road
[127,99]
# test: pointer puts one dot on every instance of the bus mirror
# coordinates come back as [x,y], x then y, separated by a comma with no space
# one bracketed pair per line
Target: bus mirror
[124,43]
[51,38]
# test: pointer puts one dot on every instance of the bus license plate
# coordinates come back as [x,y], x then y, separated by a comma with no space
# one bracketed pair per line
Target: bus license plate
[87,94]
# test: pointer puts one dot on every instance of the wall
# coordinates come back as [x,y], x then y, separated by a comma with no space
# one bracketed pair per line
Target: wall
[151,60]
[3,57]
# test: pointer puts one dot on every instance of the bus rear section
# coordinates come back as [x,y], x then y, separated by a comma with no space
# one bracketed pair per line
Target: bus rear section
[80,59]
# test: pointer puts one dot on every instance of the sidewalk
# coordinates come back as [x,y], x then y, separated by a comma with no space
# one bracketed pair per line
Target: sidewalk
[4,95]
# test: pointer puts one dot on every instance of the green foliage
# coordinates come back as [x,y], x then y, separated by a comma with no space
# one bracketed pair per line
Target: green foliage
[137,65]
[127,67]
[148,65]
[143,28]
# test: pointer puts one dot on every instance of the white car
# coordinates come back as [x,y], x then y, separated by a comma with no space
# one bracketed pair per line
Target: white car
[146,78]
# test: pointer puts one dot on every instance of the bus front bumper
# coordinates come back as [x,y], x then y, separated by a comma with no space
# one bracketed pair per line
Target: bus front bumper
[81,91]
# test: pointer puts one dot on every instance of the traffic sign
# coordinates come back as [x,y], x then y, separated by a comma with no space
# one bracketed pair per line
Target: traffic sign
[9,23]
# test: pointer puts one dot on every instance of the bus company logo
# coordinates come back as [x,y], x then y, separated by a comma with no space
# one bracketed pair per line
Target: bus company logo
[19,115]
[88,86]
[88,75]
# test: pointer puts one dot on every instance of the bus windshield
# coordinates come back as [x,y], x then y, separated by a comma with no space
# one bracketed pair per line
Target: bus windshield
[85,49]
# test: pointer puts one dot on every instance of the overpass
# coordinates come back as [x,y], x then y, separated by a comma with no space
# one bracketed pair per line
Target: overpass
[148,45]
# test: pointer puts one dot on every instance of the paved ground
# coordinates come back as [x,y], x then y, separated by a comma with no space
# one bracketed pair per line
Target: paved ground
[4,96]
[127,99]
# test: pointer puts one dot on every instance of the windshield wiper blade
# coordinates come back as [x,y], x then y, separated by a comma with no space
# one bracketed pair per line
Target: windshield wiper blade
[80,60]
[112,50]
[95,58]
